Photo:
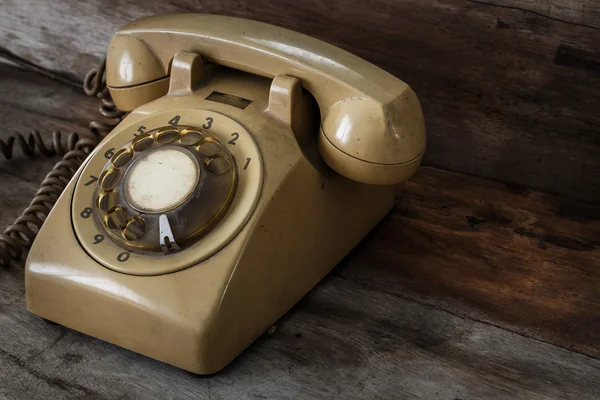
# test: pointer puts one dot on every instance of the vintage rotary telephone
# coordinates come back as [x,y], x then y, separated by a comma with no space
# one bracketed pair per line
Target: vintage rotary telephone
[253,159]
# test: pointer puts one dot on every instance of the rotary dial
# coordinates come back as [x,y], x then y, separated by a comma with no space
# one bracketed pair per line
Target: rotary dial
[182,174]
[166,191]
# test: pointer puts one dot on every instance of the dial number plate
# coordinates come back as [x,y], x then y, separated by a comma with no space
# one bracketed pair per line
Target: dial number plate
[250,177]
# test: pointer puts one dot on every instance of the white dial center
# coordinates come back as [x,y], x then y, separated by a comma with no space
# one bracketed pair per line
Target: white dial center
[161,180]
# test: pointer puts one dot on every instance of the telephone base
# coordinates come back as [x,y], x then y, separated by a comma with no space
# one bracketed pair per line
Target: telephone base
[291,220]
[200,318]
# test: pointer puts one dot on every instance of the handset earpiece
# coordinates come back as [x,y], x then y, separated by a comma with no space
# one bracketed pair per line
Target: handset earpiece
[134,74]
[374,143]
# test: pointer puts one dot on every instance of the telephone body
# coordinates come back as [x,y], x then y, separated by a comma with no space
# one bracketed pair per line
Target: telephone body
[253,160]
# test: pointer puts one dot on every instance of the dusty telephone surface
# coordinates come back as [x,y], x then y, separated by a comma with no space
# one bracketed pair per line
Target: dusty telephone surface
[253,159]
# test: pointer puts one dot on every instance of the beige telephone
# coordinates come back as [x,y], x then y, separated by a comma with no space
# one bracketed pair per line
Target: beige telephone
[254,158]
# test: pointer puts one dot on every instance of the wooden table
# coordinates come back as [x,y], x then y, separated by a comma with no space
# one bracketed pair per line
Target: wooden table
[468,289]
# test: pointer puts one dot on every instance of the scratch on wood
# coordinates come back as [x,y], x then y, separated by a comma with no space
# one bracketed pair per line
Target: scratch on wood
[25,64]
[556,240]
[503,25]
[577,58]
[53,382]
[13,301]
[54,342]
[533,12]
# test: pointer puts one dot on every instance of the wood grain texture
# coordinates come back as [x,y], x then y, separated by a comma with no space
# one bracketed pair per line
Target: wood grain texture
[343,341]
[510,89]
[516,258]
[29,101]
[469,289]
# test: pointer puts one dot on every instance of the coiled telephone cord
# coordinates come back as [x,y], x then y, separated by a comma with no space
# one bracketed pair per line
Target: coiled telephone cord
[18,237]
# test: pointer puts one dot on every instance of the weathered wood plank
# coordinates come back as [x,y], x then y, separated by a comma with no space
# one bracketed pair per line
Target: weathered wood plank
[28,102]
[518,258]
[579,13]
[342,341]
[423,308]
[510,89]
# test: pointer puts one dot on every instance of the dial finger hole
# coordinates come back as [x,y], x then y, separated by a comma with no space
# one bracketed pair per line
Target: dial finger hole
[122,157]
[189,137]
[218,165]
[209,147]
[142,142]
[134,228]
[166,135]
[106,200]
[109,178]
[115,218]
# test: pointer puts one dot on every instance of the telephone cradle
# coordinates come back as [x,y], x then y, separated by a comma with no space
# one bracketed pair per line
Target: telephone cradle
[252,161]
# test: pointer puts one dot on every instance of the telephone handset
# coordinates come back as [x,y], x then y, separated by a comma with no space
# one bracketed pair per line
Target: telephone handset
[254,158]
[371,122]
